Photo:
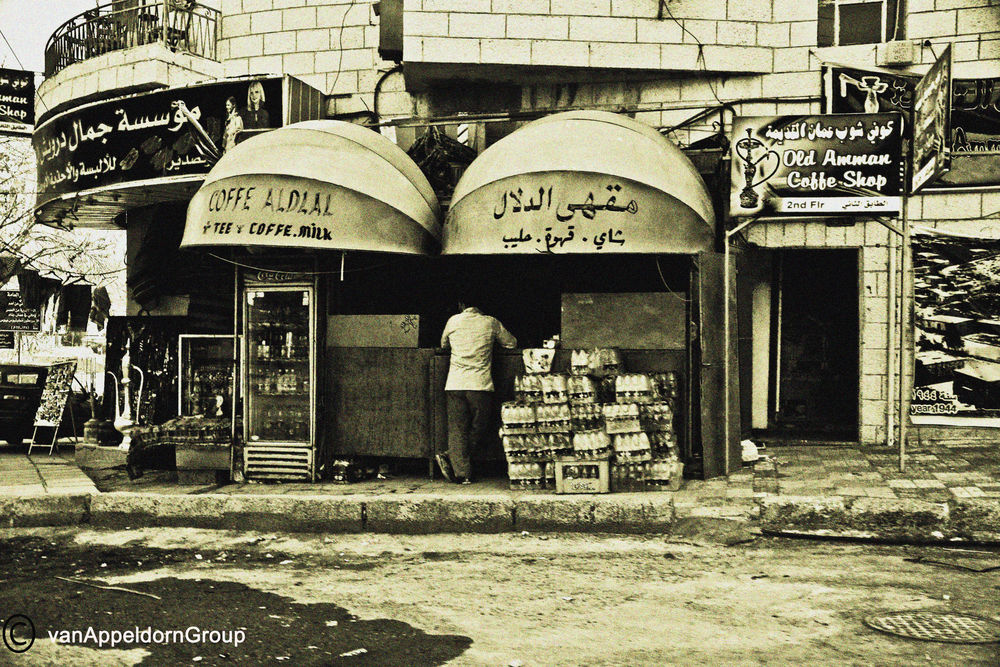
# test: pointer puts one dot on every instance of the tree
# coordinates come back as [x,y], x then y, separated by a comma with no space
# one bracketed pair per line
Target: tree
[68,255]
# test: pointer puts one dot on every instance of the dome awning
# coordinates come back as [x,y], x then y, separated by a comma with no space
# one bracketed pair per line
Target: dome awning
[321,184]
[580,182]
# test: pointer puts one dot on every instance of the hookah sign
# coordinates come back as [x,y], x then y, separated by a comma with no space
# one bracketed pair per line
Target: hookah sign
[835,164]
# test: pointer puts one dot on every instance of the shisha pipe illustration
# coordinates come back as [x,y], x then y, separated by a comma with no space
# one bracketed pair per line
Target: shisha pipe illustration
[745,148]
[123,421]
[873,86]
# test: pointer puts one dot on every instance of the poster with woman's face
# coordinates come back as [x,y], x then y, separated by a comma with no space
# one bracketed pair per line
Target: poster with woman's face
[256,115]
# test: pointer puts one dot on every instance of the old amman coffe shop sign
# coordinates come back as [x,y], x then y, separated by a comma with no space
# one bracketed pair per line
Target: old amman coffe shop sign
[840,164]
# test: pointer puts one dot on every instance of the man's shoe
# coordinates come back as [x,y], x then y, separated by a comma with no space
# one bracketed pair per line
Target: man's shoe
[445,465]
[464,480]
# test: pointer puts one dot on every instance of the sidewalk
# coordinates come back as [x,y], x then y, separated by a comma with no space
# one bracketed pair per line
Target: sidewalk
[946,493]
[41,474]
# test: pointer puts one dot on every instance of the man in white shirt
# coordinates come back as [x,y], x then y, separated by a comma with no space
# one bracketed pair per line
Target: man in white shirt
[470,335]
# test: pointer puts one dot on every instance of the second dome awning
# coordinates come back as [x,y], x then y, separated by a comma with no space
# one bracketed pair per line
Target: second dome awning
[580,182]
[322,184]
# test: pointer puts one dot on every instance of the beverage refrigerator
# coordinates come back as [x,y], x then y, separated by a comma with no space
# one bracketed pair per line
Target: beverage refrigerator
[279,365]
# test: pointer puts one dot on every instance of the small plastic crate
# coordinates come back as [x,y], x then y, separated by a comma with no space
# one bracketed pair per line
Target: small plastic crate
[576,476]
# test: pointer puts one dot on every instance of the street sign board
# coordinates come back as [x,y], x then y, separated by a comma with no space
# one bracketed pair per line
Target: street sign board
[833,164]
[17,102]
[931,154]
[14,316]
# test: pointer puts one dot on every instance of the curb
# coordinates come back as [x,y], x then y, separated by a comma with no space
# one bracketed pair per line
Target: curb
[413,514]
[44,510]
[825,517]
[897,520]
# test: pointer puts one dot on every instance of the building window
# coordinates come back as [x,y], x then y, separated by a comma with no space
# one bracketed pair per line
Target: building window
[846,22]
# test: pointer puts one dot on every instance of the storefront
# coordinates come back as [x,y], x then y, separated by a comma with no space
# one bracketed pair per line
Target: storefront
[594,229]
[343,294]
[288,209]
[813,240]
[131,162]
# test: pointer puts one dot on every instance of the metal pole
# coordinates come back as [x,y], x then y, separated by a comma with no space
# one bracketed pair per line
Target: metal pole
[890,342]
[903,321]
[166,22]
[17,335]
[725,353]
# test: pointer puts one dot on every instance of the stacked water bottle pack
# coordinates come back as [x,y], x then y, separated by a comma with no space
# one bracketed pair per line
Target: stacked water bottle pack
[592,428]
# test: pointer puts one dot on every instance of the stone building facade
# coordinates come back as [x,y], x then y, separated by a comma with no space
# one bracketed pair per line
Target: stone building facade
[661,61]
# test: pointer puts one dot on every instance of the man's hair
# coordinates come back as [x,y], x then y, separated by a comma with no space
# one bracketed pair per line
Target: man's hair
[468,297]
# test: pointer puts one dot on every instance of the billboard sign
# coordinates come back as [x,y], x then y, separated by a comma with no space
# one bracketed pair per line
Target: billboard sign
[839,164]
[172,132]
[932,123]
[17,102]
[957,329]
[974,140]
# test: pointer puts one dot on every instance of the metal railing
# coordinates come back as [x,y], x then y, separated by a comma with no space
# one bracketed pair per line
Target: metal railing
[122,24]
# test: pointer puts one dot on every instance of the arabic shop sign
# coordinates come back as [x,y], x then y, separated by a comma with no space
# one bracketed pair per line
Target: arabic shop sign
[571,213]
[15,316]
[931,120]
[513,202]
[17,101]
[974,138]
[166,133]
[817,165]
[293,212]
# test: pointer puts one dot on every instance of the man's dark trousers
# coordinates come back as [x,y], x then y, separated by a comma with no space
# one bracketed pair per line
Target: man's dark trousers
[468,418]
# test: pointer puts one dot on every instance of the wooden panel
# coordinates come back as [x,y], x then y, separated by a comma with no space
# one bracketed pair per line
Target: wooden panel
[639,320]
[372,330]
[377,402]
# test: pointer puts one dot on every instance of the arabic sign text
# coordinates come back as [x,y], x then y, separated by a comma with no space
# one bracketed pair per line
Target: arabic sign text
[17,101]
[832,164]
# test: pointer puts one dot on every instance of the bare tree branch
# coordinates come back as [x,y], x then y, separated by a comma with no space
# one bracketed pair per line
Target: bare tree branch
[69,256]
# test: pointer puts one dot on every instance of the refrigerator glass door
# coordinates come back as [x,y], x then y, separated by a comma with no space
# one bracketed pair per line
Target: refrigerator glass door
[278,365]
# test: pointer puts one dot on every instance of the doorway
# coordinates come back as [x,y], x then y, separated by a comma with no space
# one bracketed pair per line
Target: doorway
[806,331]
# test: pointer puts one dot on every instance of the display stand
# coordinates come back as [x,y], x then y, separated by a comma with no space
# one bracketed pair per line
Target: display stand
[52,407]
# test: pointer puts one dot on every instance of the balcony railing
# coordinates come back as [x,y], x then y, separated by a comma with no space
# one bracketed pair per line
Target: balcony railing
[178,24]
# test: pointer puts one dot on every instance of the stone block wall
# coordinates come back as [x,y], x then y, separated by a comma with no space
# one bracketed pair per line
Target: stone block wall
[973,26]
[331,44]
[685,35]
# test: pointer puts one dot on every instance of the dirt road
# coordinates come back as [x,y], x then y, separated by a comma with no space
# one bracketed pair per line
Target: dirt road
[705,597]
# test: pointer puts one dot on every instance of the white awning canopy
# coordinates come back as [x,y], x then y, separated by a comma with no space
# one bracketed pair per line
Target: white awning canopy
[580,182]
[321,184]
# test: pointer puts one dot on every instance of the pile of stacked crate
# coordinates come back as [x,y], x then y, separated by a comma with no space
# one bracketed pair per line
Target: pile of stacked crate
[593,430]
